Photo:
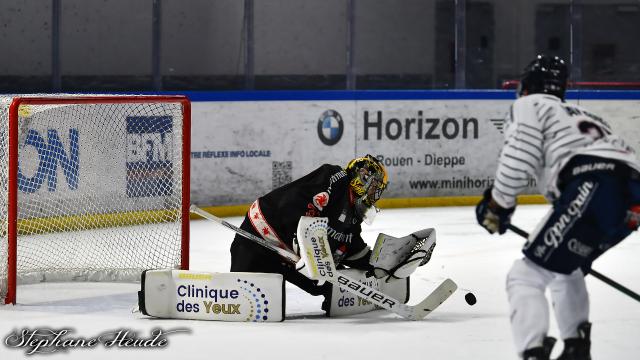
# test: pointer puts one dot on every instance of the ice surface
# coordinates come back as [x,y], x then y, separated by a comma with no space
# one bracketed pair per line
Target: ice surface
[477,261]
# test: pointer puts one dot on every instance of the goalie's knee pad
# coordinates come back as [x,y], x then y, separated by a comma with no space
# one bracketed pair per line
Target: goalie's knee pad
[181,294]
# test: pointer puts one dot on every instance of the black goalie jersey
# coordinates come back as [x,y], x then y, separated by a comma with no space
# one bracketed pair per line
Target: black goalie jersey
[322,193]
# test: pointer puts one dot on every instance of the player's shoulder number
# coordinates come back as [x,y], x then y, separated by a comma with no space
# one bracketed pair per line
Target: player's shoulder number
[587,122]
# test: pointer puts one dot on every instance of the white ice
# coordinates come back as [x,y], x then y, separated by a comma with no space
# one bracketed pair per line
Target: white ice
[477,261]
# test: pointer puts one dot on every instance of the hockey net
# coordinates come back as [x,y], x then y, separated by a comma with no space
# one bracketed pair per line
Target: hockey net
[94,188]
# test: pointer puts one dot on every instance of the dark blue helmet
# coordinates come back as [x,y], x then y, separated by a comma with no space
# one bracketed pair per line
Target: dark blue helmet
[545,74]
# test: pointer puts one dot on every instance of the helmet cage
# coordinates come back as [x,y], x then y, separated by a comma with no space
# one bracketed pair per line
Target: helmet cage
[373,186]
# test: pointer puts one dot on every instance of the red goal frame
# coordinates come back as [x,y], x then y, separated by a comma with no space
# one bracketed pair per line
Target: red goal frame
[12,212]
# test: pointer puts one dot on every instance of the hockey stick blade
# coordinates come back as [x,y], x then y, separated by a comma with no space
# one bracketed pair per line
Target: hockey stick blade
[431,302]
[382,300]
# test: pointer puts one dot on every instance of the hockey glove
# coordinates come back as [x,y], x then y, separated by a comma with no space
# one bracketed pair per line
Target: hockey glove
[397,258]
[492,216]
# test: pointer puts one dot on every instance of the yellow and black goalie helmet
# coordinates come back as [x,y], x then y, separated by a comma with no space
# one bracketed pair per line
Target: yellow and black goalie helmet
[368,178]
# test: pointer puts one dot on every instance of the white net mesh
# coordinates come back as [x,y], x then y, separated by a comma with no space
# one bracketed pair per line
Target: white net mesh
[99,190]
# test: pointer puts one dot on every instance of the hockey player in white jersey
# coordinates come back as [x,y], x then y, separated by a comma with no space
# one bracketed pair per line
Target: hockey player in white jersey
[591,177]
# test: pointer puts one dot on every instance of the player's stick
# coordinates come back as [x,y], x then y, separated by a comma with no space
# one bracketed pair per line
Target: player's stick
[415,312]
[595,274]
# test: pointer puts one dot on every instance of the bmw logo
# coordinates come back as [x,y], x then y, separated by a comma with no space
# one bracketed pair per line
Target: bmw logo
[330,127]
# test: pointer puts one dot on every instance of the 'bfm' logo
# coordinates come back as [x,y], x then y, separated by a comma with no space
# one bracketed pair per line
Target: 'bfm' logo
[330,127]
[51,153]
[149,156]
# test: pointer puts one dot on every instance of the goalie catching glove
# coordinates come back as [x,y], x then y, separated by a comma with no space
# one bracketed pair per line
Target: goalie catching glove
[397,258]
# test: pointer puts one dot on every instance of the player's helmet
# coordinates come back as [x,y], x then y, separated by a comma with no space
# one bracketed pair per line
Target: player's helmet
[545,74]
[368,179]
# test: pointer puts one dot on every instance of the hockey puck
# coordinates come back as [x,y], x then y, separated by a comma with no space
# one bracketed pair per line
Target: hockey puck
[470,298]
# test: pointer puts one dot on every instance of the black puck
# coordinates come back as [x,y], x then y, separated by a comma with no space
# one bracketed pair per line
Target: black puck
[470,298]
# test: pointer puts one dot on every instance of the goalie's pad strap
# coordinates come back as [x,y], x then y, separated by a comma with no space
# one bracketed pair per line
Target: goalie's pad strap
[181,294]
[263,228]
[141,294]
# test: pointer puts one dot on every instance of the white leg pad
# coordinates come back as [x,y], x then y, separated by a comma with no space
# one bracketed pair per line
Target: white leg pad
[182,294]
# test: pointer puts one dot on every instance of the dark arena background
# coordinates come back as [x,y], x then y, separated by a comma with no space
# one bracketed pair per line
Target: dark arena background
[214,103]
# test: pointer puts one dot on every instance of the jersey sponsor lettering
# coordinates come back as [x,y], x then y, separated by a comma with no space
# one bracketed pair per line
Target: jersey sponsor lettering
[339,236]
[579,248]
[555,234]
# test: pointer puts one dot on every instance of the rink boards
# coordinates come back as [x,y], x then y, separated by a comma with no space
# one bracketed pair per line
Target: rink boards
[435,144]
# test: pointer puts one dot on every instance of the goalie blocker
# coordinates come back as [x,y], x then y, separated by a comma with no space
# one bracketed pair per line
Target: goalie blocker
[181,294]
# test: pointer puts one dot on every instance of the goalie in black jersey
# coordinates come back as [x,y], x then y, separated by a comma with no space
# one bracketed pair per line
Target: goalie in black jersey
[346,197]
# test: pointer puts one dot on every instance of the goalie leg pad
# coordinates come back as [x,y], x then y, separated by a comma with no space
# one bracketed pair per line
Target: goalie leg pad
[343,303]
[181,294]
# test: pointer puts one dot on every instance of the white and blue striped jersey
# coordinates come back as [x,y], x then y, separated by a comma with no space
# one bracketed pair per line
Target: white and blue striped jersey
[542,134]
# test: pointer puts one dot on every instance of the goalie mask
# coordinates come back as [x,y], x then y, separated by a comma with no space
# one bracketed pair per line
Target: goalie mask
[368,180]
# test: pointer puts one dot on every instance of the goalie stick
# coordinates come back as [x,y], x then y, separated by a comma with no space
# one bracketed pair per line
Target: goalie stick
[410,312]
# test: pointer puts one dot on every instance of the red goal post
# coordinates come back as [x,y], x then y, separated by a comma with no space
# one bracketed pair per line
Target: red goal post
[96,187]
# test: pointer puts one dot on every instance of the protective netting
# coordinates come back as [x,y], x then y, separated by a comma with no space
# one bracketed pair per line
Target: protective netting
[99,190]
